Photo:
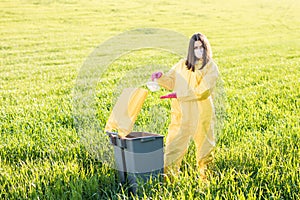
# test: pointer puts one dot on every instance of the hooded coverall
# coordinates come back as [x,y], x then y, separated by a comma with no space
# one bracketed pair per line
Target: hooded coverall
[125,111]
[192,113]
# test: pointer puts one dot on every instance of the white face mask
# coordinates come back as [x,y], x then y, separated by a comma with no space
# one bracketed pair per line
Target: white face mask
[198,53]
[198,49]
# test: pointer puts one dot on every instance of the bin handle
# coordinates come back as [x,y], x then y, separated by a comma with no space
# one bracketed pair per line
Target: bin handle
[147,139]
[113,137]
[111,133]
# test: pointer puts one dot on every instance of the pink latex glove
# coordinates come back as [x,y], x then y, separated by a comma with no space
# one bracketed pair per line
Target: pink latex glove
[169,96]
[156,75]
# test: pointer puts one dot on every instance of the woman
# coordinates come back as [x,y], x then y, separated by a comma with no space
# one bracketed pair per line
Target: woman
[192,111]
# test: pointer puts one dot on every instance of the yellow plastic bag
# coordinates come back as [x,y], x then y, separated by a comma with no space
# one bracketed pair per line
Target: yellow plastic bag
[125,111]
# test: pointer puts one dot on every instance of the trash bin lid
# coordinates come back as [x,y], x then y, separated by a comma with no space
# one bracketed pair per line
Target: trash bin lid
[125,111]
[139,135]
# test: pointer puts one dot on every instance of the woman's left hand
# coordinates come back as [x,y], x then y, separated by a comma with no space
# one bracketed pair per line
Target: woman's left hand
[169,96]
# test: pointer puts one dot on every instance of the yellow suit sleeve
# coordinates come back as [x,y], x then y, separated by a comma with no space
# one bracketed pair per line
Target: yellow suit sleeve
[167,80]
[204,89]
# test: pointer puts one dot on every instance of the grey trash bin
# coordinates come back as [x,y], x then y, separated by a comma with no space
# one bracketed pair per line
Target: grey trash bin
[138,156]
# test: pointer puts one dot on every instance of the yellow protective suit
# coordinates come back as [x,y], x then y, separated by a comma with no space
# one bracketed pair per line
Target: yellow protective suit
[192,113]
[125,111]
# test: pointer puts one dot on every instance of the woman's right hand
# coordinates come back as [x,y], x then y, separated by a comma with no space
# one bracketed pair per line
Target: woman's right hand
[156,75]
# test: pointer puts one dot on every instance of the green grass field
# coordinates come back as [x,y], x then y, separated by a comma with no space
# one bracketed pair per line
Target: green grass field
[44,44]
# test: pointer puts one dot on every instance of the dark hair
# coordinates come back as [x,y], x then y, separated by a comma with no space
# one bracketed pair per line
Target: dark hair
[207,53]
